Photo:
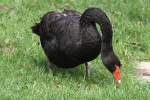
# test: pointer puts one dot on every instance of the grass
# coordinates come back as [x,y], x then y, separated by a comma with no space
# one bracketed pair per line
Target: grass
[23,72]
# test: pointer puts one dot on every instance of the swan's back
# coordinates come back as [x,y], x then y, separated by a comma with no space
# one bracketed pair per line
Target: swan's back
[60,19]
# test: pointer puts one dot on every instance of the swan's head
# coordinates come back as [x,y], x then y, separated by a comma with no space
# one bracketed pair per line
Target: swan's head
[112,63]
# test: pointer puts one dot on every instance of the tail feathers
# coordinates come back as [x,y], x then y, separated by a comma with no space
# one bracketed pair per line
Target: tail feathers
[35,28]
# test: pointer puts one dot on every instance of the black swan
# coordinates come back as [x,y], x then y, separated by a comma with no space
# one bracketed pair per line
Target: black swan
[69,39]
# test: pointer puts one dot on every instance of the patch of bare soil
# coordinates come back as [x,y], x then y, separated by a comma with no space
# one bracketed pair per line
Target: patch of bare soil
[143,71]
[7,50]
[5,8]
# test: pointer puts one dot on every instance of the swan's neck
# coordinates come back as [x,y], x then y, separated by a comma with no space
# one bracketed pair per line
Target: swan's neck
[94,15]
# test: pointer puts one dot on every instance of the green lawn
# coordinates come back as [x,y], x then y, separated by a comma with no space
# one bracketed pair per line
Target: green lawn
[23,66]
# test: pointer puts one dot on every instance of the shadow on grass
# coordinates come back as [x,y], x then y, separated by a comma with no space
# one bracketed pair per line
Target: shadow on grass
[76,74]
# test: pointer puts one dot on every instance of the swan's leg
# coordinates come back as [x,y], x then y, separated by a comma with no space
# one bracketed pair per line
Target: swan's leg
[51,67]
[87,69]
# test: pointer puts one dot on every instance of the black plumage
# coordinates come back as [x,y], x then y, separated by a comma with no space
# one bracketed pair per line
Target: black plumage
[69,38]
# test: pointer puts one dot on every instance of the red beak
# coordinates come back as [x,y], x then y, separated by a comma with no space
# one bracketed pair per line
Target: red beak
[116,74]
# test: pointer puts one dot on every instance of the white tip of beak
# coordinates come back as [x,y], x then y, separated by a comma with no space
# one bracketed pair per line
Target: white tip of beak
[119,81]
